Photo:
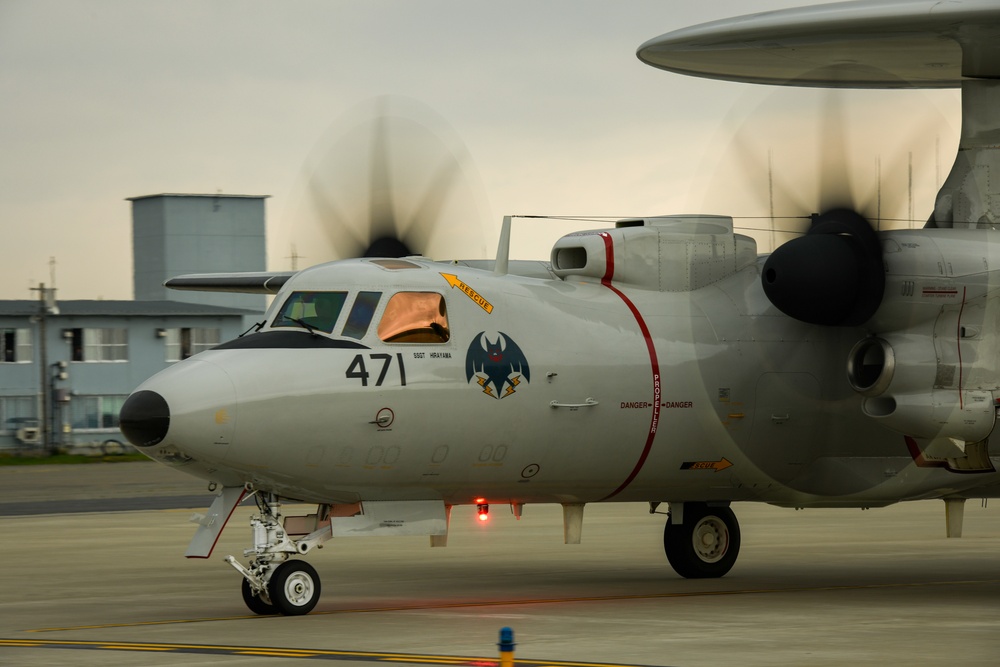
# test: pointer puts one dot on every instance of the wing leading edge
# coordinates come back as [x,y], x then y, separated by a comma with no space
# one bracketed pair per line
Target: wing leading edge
[251,282]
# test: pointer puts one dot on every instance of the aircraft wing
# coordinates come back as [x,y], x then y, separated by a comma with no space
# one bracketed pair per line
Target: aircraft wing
[251,282]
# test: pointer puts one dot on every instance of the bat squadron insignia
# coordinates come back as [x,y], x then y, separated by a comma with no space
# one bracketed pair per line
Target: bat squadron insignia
[497,366]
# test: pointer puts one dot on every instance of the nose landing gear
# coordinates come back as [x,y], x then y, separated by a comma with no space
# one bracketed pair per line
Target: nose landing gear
[272,583]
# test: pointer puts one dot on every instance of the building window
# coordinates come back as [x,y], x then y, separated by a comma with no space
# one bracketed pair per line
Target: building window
[96,412]
[99,344]
[17,412]
[16,345]
[189,341]
[415,317]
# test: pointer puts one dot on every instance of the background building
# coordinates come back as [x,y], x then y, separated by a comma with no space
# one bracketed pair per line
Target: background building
[66,367]
[174,234]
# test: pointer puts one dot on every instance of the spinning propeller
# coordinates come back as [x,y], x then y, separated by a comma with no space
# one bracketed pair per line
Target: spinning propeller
[395,182]
[831,273]
[881,44]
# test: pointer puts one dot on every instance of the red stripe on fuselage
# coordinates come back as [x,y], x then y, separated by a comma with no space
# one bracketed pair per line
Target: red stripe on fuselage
[609,274]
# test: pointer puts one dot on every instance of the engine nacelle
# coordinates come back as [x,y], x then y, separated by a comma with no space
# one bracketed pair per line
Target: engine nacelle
[935,415]
[677,253]
[911,388]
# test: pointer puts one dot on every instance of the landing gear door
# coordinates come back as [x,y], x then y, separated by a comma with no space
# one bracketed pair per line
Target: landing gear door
[210,525]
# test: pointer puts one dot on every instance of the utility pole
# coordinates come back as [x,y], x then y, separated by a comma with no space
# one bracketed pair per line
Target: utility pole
[46,306]
[295,257]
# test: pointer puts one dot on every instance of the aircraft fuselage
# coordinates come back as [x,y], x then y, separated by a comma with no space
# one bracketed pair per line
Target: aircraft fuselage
[583,388]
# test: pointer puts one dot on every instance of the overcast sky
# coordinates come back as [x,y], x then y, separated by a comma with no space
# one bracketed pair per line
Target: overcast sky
[103,100]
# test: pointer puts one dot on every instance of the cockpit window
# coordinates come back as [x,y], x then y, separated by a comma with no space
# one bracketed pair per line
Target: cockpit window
[311,310]
[415,317]
[361,314]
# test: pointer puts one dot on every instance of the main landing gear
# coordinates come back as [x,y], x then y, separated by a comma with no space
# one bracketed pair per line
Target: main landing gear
[273,584]
[701,542]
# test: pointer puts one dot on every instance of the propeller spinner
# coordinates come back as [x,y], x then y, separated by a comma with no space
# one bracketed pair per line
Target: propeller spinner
[832,276]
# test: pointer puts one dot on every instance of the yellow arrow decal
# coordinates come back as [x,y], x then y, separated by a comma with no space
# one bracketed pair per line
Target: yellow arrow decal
[469,292]
[721,464]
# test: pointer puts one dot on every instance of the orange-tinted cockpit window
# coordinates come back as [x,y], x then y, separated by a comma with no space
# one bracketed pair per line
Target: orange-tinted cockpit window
[415,317]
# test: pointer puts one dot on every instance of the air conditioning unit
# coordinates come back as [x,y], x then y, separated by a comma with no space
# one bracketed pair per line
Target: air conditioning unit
[29,435]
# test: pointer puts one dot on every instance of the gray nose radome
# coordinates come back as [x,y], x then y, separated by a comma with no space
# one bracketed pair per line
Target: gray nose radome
[144,418]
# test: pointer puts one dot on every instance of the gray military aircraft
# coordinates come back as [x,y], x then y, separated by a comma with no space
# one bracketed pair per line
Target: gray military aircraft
[662,360]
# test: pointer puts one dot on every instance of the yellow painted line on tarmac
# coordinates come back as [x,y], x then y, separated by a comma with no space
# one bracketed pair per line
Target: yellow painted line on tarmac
[453,661]
[544,601]
[279,652]
[139,624]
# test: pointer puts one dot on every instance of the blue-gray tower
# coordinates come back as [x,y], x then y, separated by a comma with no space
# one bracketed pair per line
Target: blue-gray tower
[174,234]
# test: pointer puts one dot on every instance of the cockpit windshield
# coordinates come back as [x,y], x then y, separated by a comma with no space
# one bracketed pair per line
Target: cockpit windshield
[409,317]
[315,311]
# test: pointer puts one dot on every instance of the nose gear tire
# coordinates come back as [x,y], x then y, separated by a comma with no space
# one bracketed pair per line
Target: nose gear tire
[294,588]
[255,603]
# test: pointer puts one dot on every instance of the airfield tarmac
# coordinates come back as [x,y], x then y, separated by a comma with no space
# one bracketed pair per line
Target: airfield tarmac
[817,587]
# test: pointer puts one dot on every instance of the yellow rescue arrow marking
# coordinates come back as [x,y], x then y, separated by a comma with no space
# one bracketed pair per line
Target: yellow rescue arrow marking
[469,292]
[721,464]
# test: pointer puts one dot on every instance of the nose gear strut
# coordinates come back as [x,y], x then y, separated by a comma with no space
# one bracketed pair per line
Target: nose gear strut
[272,583]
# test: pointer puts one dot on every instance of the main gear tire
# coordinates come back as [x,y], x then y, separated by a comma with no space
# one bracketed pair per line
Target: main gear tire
[704,546]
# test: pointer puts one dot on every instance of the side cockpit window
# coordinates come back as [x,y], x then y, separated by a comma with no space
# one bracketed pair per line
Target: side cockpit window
[311,310]
[361,314]
[415,317]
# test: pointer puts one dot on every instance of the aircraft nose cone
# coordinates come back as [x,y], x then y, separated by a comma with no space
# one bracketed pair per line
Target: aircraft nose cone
[144,418]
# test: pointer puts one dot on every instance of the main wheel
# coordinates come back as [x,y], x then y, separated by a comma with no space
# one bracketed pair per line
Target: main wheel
[705,545]
[294,588]
[255,603]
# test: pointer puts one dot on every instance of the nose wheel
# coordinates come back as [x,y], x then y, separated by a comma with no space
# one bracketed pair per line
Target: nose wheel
[294,588]
[272,583]
[255,602]
[705,545]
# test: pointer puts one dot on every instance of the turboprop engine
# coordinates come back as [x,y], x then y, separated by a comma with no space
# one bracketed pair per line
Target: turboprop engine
[932,370]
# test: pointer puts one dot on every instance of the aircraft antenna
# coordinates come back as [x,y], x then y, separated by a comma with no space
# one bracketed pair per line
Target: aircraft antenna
[937,162]
[770,195]
[878,192]
[910,191]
